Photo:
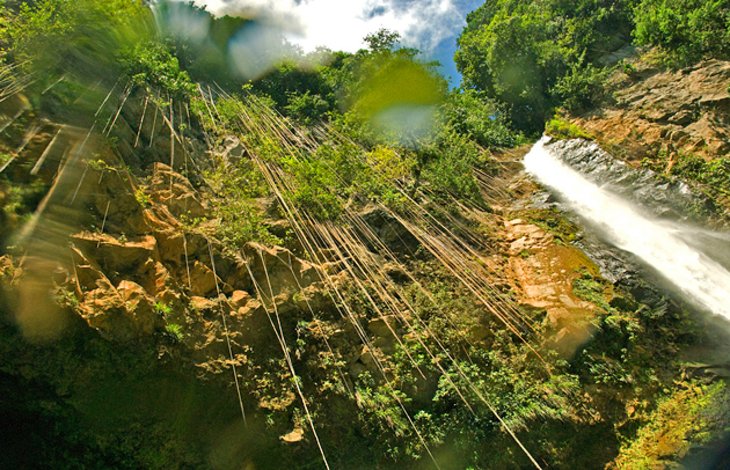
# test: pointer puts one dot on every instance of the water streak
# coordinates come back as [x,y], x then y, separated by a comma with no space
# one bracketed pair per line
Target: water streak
[700,278]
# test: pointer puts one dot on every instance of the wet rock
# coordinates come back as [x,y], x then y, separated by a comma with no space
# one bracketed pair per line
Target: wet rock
[672,200]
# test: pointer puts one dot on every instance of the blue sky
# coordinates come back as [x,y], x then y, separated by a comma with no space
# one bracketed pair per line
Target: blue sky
[444,51]
[429,25]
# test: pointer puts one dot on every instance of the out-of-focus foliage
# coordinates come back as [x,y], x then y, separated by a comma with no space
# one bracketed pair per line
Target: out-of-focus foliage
[79,36]
[227,50]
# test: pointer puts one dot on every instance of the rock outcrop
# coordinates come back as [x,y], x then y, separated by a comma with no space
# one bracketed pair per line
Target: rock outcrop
[685,111]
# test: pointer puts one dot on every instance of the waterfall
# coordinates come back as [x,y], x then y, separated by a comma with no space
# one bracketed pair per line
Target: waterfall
[662,246]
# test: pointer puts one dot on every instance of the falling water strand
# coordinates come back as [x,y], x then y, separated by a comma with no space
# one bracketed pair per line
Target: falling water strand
[701,279]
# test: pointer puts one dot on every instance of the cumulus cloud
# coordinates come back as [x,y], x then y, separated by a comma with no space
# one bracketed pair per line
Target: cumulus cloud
[342,24]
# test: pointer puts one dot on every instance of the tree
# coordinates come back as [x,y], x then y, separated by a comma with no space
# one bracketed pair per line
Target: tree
[382,40]
[532,55]
[686,29]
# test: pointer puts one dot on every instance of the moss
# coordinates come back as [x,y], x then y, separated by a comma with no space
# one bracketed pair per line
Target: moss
[554,222]
[683,418]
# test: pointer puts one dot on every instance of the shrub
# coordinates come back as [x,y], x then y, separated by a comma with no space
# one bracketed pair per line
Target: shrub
[582,88]
[686,29]
[471,113]
[560,128]
[151,64]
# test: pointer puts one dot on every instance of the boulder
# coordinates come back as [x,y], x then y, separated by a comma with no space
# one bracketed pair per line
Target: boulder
[173,190]
[114,254]
[120,313]
[297,435]
[202,279]
[239,298]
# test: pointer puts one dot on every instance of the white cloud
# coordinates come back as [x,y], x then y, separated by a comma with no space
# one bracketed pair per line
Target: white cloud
[342,24]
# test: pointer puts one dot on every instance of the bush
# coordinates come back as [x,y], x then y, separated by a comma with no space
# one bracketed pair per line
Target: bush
[151,64]
[686,29]
[560,128]
[471,113]
[582,88]
[714,173]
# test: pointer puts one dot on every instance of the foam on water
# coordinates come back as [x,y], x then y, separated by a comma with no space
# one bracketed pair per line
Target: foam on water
[693,273]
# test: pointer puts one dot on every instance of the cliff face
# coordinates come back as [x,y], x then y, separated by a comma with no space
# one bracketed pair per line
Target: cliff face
[675,123]
[684,111]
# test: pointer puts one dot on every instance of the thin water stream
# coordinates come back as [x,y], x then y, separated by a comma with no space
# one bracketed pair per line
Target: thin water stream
[664,246]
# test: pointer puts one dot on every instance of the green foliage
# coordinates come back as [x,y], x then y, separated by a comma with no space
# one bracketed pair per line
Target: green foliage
[152,65]
[142,198]
[307,108]
[381,413]
[592,289]
[554,222]
[691,415]
[382,40]
[447,165]
[239,217]
[83,37]
[302,93]
[512,54]
[22,199]
[582,88]
[686,29]
[535,56]
[714,173]
[560,128]
[473,114]
[162,308]
[175,331]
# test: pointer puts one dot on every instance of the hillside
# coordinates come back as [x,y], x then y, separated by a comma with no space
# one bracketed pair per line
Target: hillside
[338,265]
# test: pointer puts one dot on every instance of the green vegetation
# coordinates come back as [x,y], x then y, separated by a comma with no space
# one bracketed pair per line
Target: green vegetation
[681,419]
[162,308]
[686,30]
[175,331]
[152,65]
[534,56]
[278,153]
[714,173]
[561,128]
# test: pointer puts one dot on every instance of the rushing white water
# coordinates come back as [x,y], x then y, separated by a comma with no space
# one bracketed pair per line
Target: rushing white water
[693,273]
